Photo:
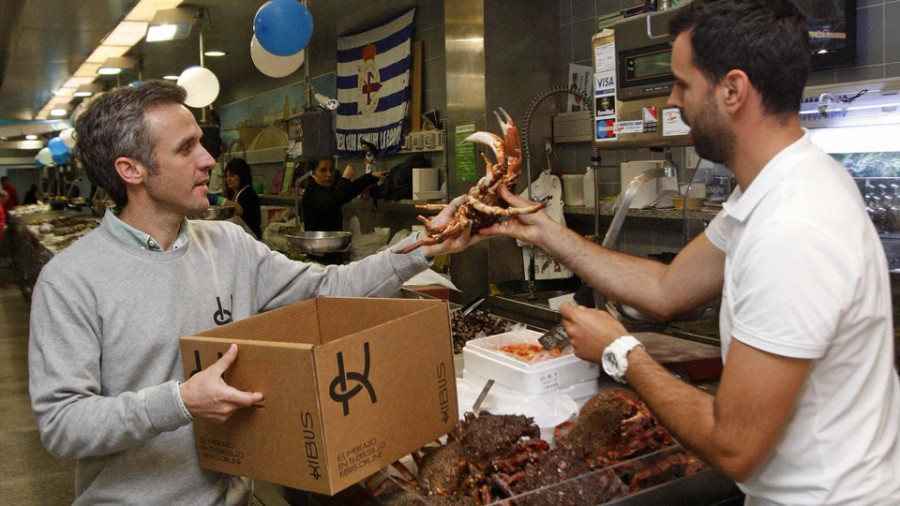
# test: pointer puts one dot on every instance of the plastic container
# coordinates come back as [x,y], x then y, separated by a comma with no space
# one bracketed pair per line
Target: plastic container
[483,358]
[588,186]
[573,189]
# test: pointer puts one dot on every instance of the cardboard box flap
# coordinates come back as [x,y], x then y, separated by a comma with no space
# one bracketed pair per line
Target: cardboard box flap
[297,323]
[343,316]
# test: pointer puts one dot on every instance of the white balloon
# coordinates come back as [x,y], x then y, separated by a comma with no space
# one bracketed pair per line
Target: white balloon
[45,156]
[201,84]
[273,65]
[68,137]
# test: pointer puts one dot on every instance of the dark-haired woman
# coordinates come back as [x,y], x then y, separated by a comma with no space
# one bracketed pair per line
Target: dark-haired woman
[239,193]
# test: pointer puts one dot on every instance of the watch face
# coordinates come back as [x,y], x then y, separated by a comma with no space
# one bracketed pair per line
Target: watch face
[610,364]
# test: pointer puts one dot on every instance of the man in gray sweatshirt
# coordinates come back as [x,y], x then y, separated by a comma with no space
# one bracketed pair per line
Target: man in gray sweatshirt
[106,378]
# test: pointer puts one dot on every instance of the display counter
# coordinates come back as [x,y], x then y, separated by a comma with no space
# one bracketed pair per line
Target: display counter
[31,246]
[668,475]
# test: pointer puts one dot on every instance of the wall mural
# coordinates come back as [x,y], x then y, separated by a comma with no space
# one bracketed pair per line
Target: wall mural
[258,122]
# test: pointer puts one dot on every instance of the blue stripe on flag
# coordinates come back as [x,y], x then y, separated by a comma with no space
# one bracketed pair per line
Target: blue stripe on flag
[381,46]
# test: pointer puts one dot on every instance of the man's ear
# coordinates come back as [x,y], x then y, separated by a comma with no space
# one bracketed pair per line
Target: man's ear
[736,88]
[130,170]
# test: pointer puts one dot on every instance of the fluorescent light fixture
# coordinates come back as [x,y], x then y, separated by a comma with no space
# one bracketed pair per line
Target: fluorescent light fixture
[126,33]
[113,66]
[214,54]
[145,9]
[59,112]
[86,90]
[103,51]
[171,78]
[88,70]
[31,137]
[75,82]
[170,24]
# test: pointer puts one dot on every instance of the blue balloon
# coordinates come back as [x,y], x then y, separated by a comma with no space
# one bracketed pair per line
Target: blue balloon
[133,84]
[60,158]
[283,27]
[38,162]
[58,147]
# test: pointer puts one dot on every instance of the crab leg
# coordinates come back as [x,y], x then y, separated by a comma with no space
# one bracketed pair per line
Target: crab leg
[505,211]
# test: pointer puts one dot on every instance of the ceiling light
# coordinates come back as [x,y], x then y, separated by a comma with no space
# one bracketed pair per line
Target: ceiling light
[170,24]
[59,112]
[86,90]
[88,70]
[31,137]
[215,54]
[113,66]
[75,82]
[171,78]
[126,33]
[103,51]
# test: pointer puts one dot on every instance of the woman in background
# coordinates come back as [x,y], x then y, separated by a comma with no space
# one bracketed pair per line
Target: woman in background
[239,193]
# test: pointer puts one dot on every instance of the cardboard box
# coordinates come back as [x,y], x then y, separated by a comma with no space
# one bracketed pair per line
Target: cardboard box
[351,385]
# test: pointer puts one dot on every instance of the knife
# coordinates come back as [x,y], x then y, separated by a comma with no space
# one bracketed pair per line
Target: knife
[556,337]
[471,305]
[484,391]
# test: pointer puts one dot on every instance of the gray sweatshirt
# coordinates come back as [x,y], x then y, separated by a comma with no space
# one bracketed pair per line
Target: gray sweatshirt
[104,360]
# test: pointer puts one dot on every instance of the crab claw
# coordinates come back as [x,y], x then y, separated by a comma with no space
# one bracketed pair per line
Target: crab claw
[505,122]
[490,140]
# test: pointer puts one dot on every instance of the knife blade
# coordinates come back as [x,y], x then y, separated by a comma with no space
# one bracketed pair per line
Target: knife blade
[556,337]
[484,391]
[471,305]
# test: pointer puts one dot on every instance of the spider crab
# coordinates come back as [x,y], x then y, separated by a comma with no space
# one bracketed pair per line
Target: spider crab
[482,205]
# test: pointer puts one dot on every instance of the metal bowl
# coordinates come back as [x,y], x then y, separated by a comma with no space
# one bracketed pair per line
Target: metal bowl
[214,213]
[319,243]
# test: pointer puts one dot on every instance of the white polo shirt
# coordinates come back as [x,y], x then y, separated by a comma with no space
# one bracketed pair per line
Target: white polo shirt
[806,277]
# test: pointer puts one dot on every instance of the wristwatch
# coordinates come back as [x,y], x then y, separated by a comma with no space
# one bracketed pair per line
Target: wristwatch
[615,357]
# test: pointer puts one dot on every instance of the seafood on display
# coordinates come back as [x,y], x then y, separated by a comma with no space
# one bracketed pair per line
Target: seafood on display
[488,458]
[477,323]
[482,205]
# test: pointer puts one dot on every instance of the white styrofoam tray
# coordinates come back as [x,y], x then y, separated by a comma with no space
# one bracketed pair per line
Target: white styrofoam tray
[483,358]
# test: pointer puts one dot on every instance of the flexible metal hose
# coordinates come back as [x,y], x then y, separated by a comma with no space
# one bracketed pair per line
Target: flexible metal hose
[538,100]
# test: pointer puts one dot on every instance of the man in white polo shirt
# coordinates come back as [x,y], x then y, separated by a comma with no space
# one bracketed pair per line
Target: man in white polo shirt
[808,407]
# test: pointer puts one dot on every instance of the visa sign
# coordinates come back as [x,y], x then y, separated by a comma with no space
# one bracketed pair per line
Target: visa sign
[604,83]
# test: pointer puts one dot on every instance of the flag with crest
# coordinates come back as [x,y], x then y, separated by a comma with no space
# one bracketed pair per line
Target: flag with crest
[373,86]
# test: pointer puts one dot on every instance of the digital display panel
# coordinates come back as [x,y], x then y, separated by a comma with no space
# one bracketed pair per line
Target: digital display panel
[653,64]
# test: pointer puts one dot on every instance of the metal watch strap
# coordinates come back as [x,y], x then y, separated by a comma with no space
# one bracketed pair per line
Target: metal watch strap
[620,348]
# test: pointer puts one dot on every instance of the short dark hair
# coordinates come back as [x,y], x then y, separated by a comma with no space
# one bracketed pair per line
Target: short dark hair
[767,39]
[113,125]
[240,168]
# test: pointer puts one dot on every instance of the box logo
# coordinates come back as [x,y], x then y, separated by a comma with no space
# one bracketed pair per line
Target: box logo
[338,389]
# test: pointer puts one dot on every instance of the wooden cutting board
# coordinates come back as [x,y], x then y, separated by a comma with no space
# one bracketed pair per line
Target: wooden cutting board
[699,361]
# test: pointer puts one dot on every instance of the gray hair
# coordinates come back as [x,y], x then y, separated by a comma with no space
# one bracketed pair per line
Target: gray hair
[113,125]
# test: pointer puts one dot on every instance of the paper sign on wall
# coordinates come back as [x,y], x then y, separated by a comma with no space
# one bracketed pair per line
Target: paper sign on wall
[672,123]
[465,153]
